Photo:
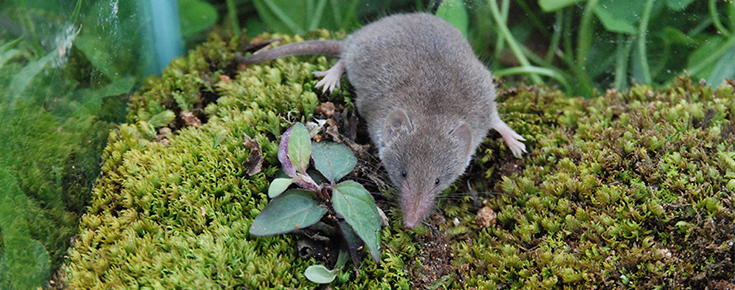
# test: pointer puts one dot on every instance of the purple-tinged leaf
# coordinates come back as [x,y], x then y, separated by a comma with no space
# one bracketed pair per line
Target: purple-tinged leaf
[283,154]
[305,181]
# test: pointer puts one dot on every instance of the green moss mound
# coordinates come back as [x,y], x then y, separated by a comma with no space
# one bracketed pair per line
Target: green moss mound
[622,190]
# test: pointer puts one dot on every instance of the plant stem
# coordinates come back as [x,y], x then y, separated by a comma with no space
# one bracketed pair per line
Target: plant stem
[337,13]
[232,16]
[642,31]
[552,73]
[699,28]
[556,37]
[533,17]
[584,42]
[716,19]
[505,32]
[621,61]
[317,18]
[295,28]
[568,48]
[500,45]
[584,37]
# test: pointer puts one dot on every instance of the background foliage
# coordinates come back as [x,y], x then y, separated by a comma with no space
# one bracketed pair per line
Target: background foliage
[581,45]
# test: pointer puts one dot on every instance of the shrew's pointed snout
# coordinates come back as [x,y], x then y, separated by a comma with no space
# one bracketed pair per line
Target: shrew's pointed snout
[415,208]
[410,221]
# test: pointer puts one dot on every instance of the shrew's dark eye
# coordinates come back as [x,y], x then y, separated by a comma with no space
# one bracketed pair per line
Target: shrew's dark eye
[436,181]
[403,173]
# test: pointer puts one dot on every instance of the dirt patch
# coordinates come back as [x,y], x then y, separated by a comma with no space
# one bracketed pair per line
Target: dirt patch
[434,261]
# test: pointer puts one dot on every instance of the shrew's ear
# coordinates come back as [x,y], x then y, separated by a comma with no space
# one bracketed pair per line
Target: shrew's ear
[395,124]
[464,135]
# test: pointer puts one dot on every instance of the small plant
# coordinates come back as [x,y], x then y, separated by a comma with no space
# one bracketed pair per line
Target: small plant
[351,208]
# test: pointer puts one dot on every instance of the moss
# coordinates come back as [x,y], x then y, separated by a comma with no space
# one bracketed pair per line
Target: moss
[622,190]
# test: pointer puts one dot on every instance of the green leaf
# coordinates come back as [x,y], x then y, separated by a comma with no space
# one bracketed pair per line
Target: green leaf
[553,5]
[320,274]
[724,69]
[630,11]
[341,259]
[293,210]
[357,206]
[162,119]
[676,36]
[333,160]
[278,186]
[612,23]
[195,16]
[696,64]
[354,243]
[7,52]
[299,148]
[92,46]
[454,12]
[118,86]
[678,5]
[23,77]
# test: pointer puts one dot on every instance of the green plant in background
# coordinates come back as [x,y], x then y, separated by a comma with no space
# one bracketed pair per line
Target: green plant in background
[583,45]
[65,67]
[299,17]
[352,208]
[616,42]
[53,134]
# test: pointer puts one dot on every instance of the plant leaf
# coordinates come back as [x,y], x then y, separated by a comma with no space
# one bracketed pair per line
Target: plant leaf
[278,186]
[92,46]
[21,79]
[454,12]
[299,148]
[293,210]
[320,274]
[195,16]
[678,5]
[353,242]
[724,69]
[342,258]
[283,154]
[357,206]
[612,23]
[553,5]
[695,63]
[306,182]
[333,160]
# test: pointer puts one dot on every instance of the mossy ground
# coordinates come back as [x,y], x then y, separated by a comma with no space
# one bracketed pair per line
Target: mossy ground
[626,190]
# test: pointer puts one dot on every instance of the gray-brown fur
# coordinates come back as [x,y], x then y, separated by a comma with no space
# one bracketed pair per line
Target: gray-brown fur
[428,102]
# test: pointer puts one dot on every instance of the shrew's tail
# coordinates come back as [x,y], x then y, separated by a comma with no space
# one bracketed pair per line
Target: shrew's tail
[328,47]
